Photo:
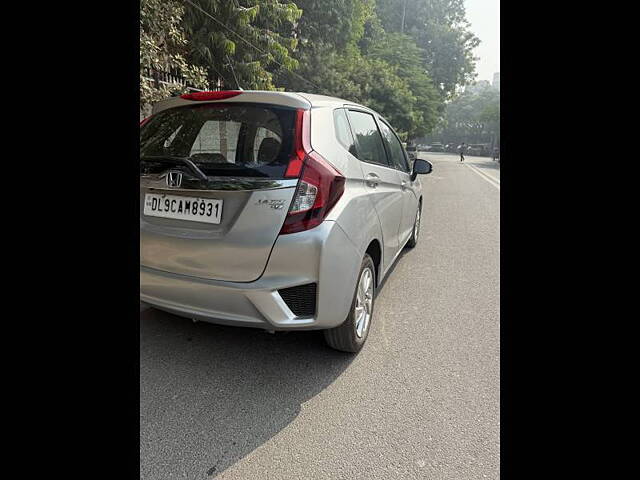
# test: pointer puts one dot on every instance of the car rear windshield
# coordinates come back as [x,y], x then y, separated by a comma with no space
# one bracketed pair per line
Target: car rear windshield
[239,140]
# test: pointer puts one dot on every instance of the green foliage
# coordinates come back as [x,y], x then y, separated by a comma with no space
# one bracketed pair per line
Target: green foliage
[266,24]
[374,83]
[344,50]
[334,23]
[328,31]
[405,59]
[163,46]
[359,50]
[440,29]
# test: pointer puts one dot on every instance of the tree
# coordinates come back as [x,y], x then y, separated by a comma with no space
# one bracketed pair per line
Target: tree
[163,45]
[490,115]
[267,26]
[405,57]
[334,23]
[328,32]
[333,62]
[441,30]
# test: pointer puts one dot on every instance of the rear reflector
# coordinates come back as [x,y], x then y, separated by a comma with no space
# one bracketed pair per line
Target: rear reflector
[145,120]
[301,300]
[203,96]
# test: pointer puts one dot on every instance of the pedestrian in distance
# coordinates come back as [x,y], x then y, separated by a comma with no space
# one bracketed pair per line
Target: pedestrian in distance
[496,154]
[461,149]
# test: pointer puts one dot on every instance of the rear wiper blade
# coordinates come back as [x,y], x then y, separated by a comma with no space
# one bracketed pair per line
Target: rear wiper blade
[177,161]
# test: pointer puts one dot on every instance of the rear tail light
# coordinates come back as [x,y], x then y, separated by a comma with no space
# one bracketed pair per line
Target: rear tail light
[320,185]
[301,144]
[145,120]
[203,96]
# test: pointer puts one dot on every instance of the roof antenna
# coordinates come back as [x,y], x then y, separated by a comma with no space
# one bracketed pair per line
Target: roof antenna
[234,73]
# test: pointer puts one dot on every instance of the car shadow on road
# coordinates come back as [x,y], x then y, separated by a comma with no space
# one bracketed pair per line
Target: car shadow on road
[401,255]
[210,395]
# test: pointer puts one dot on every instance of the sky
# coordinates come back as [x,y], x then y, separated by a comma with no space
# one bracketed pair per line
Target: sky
[484,16]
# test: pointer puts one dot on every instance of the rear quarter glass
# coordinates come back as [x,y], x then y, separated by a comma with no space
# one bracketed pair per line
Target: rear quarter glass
[239,140]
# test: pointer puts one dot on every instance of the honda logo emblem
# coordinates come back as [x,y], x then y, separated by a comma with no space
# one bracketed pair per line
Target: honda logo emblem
[174,179]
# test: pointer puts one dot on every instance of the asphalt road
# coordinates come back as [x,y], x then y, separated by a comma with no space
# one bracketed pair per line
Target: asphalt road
[421,400]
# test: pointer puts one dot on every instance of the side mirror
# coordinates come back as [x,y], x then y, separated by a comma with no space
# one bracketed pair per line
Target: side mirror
[421,167]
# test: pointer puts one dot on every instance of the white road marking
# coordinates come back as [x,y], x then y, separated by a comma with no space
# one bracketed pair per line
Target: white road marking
[488,178]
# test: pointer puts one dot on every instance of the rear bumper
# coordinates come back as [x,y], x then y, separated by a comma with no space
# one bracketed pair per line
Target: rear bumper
[323,255]
[217,302]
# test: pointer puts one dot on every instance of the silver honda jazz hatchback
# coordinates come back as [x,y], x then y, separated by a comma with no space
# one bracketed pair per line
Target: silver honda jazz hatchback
[280,211]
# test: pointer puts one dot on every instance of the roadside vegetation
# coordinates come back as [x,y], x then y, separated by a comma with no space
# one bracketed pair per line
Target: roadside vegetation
[408,59]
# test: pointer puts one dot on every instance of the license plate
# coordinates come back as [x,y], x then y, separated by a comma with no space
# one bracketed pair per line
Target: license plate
[206,210]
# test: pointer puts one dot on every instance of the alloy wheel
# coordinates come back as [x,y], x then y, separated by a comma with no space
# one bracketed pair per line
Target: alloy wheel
[364,302]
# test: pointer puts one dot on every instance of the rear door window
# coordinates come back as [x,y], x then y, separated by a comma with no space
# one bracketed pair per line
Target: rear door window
[249,140]
[396,152]
[368,139]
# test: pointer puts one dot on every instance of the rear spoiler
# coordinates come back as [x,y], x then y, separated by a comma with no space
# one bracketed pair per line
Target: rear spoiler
[232,96]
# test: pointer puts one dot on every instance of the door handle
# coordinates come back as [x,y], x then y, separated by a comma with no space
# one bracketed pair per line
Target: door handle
[372,180]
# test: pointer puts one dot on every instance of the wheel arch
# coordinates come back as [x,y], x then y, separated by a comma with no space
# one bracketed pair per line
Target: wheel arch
[374,249]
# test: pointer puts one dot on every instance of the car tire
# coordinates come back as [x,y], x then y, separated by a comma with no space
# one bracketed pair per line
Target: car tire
[415,234]
[351,335]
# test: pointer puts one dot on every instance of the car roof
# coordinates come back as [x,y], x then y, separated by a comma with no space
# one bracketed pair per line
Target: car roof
[324,100]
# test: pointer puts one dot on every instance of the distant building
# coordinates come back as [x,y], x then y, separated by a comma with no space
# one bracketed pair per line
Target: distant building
[496,80]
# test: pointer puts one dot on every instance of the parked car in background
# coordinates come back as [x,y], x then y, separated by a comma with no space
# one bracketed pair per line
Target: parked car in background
[412,151]
[473,149]
[436,147]
[479,149]
[273,210]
